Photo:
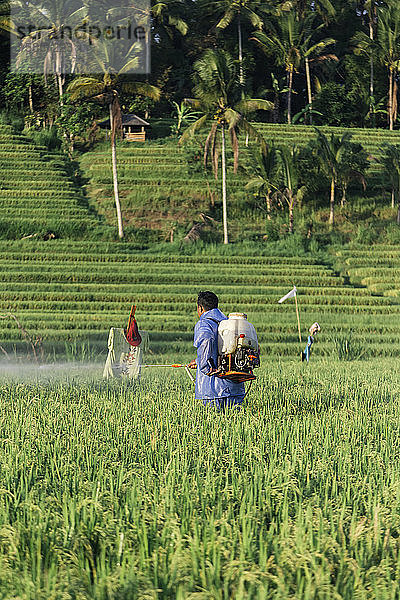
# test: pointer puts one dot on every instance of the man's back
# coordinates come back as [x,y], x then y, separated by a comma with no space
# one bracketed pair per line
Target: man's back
[206,342]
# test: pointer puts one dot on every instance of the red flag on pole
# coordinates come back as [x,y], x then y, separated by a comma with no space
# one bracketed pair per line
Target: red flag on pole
[132,331]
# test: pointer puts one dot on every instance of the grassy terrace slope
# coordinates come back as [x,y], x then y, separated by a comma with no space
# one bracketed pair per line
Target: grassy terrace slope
[66,291]
[377,268]
[36,193]
[163,185]
[158,188]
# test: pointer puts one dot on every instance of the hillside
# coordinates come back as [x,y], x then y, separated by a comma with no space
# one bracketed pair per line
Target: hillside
[165,188]
[37,195]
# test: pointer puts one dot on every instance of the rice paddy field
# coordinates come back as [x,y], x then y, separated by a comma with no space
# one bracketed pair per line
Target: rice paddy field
[69,293]
[115,491]
[134,492]
[171,176]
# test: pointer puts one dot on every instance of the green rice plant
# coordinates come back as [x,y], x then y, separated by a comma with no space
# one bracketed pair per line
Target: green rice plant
[140,494]
[347,347]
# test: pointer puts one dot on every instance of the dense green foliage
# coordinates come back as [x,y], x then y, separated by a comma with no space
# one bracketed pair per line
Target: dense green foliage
[337,41]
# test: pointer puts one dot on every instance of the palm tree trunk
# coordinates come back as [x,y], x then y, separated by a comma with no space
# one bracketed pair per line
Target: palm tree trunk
[241,74]
[291,218]
[371,75]
[309,90]
[30,97]
[224,211]
[392,197]
[398,208]
[390,103]
[59,77]
[332,203]
[343,201]
[289,96]
[115,177]
[268,200]
[275,110]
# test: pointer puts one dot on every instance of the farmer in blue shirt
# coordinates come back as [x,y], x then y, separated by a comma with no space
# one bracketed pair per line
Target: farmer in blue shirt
[214,391]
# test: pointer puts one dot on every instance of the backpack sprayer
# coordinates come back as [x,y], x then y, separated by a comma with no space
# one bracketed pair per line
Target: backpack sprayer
[238,350]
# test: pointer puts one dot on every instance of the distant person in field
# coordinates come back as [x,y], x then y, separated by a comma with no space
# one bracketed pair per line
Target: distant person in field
[220,393]
[314,329]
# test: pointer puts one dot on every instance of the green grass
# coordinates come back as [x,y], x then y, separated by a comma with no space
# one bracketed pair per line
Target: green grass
[125,493]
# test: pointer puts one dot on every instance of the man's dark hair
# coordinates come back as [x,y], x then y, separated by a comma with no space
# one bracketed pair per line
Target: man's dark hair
[207,300]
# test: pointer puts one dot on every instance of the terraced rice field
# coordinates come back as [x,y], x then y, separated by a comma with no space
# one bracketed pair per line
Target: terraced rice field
[160,189]
[377,268]
[371,140]
[36,193]
[67,291]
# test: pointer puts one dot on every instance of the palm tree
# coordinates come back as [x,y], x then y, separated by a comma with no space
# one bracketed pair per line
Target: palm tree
[170,16]
[370,10]
[291,42]
[50,42]
[352,167]
[386,47]
[241,9]
[390,161]
[106,90]
[366,44]
[218,98]
[329,152]
[314,52]
[291,191]
[265,177]
[304,7]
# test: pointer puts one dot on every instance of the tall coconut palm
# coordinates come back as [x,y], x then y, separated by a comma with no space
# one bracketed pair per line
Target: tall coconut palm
[290,41]
[370,8]
[365,44]
[241,10]
[387,47]
[329,152]
[264,179]
[106,90]
[291,192]
[218,99]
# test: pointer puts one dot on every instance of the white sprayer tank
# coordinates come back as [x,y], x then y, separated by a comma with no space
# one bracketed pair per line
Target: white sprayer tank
[234,332]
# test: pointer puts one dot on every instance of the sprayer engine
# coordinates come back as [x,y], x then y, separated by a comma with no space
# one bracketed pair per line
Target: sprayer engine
[237,348]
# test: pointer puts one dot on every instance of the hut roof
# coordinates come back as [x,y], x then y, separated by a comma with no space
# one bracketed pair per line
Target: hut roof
[128,120]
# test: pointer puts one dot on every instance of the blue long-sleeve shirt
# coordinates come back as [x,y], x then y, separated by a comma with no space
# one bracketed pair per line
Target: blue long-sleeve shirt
[206,342]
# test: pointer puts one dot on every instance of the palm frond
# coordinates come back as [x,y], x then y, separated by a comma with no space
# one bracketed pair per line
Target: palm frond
[226,19]
[143,89]
[193,128]
[253,104]
[85,88]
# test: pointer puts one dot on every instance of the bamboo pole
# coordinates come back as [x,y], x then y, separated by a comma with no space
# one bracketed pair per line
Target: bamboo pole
[298,316]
